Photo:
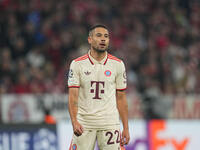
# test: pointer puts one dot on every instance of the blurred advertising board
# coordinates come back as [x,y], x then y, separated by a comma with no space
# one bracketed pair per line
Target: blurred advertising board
[30,108]
[145,135]
[185,106]
[152,135]
[28,137]
[166,135]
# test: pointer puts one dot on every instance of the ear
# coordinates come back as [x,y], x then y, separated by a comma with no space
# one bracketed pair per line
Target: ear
[89,40]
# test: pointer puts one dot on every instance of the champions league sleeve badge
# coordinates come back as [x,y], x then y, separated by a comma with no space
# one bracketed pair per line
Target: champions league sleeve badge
[70,74]
[124,75]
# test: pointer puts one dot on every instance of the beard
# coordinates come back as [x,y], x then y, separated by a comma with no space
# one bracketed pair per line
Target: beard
[100,50]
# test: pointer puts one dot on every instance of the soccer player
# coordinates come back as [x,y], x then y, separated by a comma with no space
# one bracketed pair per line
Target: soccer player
[97,83]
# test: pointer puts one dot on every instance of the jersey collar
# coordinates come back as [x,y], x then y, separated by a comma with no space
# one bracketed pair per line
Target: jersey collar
[93,61]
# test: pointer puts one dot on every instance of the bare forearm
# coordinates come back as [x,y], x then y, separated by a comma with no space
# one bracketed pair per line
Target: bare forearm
[122,108]
[123,112]
[73,109]
[73,104]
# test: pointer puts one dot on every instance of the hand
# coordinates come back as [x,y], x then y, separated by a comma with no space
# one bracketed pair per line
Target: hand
[125,137]
[78,128]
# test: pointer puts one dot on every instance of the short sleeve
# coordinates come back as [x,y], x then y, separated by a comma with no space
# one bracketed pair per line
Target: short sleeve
[121,80]
[73,75]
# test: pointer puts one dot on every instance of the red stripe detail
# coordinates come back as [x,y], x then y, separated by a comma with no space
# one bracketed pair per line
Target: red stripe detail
[113,58]
[82,58]
[70,147]
[90,60]
[121,89]
[73,86]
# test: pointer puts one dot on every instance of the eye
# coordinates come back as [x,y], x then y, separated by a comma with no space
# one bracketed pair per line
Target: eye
[98,34]
[106,35]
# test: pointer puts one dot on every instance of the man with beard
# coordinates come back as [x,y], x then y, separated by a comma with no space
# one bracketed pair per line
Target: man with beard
[97,83]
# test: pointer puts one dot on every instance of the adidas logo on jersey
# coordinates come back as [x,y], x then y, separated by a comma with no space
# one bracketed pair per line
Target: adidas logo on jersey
[87,73]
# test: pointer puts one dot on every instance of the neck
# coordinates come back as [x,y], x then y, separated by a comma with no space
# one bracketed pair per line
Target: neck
[97,55]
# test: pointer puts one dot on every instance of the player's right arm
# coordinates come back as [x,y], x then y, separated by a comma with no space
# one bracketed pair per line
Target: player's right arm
[74,84]
[73,109]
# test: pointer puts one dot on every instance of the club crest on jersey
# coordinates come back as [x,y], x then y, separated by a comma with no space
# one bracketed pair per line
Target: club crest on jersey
[74,147]
[107,73]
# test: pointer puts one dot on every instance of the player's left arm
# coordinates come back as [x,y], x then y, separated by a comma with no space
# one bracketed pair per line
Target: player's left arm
[123,112]
[121,84]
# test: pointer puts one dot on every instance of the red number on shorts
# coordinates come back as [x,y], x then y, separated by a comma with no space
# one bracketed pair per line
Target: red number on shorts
[111,136]
[118,138]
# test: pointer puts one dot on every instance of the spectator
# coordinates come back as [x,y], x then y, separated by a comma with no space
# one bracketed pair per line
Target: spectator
[48,118]
[158,39]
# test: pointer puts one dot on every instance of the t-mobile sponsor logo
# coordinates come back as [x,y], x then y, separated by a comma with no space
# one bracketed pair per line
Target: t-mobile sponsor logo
[98,88]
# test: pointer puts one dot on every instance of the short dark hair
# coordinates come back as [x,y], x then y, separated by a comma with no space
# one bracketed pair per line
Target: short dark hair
[97,26]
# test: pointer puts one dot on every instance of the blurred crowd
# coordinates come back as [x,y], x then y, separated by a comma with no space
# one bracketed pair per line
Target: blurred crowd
[159,41]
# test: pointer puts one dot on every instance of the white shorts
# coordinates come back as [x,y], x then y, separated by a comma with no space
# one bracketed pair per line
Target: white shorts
[106,139]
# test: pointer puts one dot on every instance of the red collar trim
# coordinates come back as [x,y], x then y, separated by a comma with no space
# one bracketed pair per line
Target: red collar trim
[93,62]
[90,60]
[106,60]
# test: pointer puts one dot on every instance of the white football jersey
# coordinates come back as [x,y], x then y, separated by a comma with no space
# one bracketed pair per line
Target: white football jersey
[97,83]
